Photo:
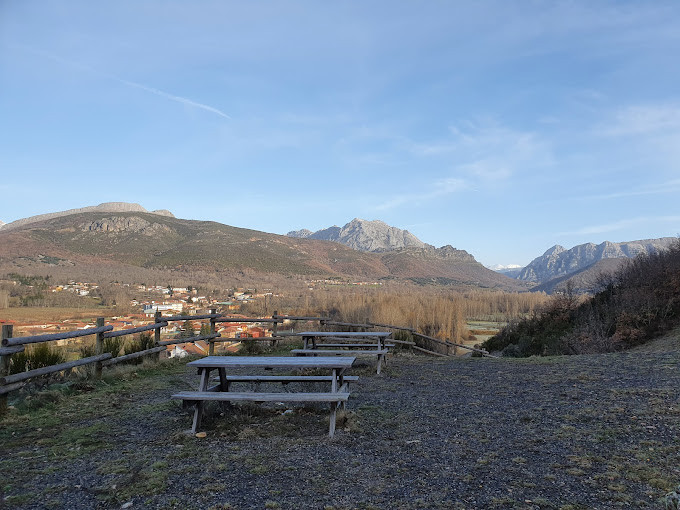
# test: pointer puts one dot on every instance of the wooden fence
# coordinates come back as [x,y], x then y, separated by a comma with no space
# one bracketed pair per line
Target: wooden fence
[12,345]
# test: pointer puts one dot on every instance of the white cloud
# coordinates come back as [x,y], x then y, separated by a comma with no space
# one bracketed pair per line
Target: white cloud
[621,225]
[672,186]
[643,120]
[441,188]
[476,155]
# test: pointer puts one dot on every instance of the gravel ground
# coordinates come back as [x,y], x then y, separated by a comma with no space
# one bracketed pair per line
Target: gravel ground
[565,433]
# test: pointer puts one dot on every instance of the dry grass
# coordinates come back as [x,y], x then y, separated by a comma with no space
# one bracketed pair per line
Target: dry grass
[36,315]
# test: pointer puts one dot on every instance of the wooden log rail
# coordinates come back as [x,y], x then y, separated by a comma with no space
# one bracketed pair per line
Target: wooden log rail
[447,343]
[22,340]
[346,324]
[22,376]
[300,318]
[133,355]
[401,328]
[130,331]
[245,319]
[191,317]
[189,339]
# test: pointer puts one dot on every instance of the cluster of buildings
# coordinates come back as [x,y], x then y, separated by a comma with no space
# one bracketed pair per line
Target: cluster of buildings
[169,301]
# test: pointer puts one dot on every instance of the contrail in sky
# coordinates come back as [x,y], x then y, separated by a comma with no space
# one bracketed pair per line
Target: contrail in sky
[171,97]
[179,99]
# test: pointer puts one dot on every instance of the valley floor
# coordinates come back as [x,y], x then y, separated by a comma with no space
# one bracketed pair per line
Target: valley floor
[565,433]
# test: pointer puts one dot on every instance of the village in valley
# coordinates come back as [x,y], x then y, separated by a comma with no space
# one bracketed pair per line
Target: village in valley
[166,300]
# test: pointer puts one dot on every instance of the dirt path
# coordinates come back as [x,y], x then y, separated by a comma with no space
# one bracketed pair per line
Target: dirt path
[564,433]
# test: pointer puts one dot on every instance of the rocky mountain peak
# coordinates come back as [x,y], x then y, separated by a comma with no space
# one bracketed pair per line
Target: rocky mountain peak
[555,250]
[300,234]
[364,235]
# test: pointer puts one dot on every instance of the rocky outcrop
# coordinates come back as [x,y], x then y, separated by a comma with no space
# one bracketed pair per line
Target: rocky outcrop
[116,224]
[370,236]
[558,262]
[300,234]
[117,207]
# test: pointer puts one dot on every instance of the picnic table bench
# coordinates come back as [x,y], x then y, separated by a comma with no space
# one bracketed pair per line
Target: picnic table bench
[339,382]
[364,343]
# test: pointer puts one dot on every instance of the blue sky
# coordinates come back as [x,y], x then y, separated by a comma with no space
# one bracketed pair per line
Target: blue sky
[499,127]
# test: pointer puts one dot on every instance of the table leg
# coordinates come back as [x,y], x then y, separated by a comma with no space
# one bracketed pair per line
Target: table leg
[341,383]
[331,426]
[202,386]
[224,385]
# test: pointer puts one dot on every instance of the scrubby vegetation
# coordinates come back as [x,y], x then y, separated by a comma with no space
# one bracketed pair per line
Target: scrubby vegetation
[634,305]
[140,342]
[37,356]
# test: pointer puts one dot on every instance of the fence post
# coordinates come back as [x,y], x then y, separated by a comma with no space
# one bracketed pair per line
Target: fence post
[4,366]
[157,333]
[275,328]
[98,348]
[211,348]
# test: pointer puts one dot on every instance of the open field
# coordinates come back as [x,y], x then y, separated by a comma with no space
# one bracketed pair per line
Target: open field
[42,314]
[579,432]
[483,330]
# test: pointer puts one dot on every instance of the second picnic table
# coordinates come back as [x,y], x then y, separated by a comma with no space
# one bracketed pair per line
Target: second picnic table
[346,342]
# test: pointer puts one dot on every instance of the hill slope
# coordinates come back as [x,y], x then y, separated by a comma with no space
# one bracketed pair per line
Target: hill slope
[105,207]
[126,240]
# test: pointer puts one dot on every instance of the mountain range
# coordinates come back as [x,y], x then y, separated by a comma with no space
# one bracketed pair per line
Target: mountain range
[128,241]
[581,265]
[584,263]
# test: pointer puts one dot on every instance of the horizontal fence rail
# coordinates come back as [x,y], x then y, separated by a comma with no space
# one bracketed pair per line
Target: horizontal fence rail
[22,340]
[190,339]
[133,355]
[131,331]
[246,319]
[191,317]
[22,376]
[300,318]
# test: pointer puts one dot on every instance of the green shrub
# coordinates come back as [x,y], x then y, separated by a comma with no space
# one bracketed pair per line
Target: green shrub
[113,345]
[141,342]
[250,346]
[38,356]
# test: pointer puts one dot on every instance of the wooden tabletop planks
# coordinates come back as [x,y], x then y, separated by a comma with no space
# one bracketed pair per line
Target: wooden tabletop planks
[328,362]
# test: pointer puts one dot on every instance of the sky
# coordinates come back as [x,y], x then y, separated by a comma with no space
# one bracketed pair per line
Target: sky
[498,127]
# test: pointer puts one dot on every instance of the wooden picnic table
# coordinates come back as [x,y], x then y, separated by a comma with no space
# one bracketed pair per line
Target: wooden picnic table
[376,338]
[365,343]
[337,366]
